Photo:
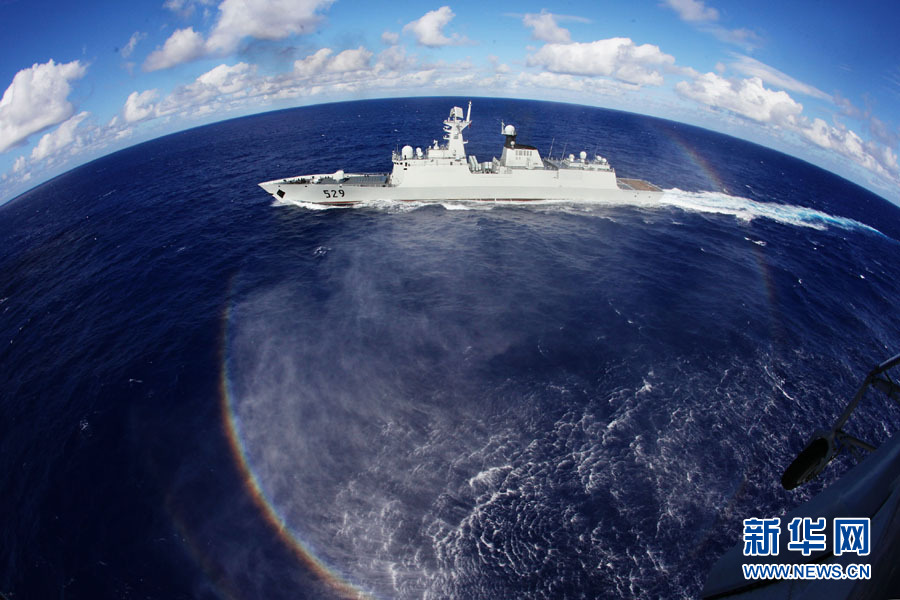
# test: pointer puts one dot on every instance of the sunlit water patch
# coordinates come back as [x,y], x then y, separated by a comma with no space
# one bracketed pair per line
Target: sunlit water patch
[427,419]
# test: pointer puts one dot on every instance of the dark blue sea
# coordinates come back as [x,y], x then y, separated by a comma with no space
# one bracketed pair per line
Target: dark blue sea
[206,394]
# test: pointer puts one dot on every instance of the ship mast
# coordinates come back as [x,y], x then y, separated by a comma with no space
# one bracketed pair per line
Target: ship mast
[453,128]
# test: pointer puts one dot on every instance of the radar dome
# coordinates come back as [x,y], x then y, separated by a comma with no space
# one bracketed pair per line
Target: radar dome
[582,155]
[509,130]
[406,153]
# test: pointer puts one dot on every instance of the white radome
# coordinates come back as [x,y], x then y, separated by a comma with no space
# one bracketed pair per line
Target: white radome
[445,173]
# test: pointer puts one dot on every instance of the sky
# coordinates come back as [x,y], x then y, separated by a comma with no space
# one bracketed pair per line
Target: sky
[817,80]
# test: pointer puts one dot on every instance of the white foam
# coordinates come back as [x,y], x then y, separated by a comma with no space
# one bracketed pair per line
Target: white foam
[490,477]
[748,210]
[306,205]
[719,203]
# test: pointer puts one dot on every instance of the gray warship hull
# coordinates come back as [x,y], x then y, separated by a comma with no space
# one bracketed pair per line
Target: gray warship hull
[445,173]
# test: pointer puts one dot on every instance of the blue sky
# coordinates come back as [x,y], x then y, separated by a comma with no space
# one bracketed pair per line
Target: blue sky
[818,80]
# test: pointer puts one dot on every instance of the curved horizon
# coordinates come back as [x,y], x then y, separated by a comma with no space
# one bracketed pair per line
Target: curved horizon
[812,81]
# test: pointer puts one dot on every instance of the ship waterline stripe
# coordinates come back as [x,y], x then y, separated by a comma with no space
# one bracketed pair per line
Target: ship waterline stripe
[440,200]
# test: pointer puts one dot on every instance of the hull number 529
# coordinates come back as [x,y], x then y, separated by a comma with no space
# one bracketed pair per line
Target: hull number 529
[333,193]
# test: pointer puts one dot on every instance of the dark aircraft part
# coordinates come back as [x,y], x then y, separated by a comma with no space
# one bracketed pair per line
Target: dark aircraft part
[824,446]
[811,461]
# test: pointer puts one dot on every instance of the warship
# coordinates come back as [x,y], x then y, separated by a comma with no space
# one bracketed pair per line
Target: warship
[443,172]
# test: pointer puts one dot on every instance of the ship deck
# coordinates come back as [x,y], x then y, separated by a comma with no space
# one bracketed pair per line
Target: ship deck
[382,180]
[360,179]
[377,179]
[637,184]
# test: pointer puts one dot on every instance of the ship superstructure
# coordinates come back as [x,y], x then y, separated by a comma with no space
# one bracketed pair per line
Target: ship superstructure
[444,172]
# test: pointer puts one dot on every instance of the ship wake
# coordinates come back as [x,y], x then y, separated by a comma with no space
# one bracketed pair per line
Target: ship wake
[712,203]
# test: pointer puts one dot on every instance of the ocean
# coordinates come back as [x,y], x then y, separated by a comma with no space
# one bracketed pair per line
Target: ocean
[205,393]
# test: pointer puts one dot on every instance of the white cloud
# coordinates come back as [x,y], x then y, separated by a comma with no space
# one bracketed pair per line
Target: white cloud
[543,27]
[179,6]
[571,83]
[263,19]
[390,38]
[207,90]
[36,99]
[744,97]
[225,79]
[497,66]
[393,59]
[620,58]
[312,64]
[185,8]
[210,91]
[872,156]
[182,46]
[350,60]
[846,106]
[705,17]
[322,61]
[881,132]
[745,38]
[133,41]
[885,156]
[238,19]
[352,71]
[78,137]
[753,68]
[55,141]
[139,106]
[429,29]
[693,10]
[749,98]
